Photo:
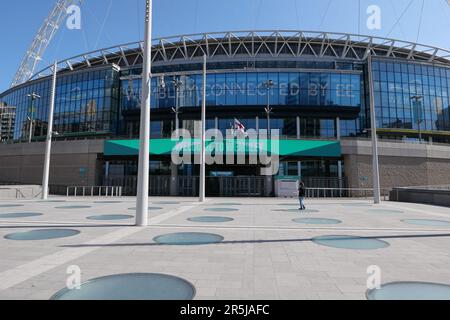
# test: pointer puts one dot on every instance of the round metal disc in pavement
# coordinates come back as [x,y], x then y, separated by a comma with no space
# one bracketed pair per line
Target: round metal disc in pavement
[19,215]
[211,219]
[166,202]
[188,238]
[73,207]
[316,221]
[42,234]
[108,202]
[221,209]
[11,205]
[357,204]
[297,210]
[426,222]
[383,211]
[133,286]
[410,291]
[110,217]
[351,242]
[149,208]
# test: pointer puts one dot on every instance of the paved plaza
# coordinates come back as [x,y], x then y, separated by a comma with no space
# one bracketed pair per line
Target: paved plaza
[262,252]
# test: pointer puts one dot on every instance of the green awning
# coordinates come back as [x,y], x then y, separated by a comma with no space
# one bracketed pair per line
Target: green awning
[301,148]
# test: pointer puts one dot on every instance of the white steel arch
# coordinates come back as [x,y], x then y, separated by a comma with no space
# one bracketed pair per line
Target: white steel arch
[42,40]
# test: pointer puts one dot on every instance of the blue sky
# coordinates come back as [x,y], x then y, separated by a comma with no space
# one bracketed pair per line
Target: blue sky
[110,22]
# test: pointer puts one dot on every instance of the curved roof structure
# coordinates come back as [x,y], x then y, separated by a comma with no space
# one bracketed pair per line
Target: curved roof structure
[252,44]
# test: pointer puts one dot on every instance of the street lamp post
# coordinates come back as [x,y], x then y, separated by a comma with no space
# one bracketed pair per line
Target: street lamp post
[417,101]
[48,145]
[269,84]
[144,150]
[176,110]
[203,155]
[375,163]
[33,96]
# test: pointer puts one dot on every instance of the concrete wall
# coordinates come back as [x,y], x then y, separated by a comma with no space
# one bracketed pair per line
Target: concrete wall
[434,197]
[23,163]
[401,164]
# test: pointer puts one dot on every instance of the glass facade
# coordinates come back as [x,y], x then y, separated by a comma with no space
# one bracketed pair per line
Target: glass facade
[249,89]
[86,102]
[105,101]
[409,94]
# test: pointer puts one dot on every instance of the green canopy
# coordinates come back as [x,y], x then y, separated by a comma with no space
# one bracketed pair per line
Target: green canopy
[304,148]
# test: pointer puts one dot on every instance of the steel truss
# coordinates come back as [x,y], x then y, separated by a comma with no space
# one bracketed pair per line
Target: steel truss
[253,44]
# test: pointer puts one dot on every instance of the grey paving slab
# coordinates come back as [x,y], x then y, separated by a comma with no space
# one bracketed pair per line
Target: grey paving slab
[264,254]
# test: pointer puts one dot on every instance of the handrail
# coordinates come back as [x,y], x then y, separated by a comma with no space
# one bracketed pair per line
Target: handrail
[344,193]
[94,191]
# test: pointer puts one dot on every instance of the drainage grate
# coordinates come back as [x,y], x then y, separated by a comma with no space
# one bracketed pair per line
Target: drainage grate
[351,242]
[42,234]
[188,238]
[133,286]
[410,291]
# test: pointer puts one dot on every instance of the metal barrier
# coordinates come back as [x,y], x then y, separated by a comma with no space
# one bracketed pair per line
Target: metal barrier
[94,191]
[17,192]
[364,193]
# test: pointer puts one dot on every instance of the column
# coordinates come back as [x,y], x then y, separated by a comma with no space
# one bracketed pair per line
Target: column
[338,129]
[173,180]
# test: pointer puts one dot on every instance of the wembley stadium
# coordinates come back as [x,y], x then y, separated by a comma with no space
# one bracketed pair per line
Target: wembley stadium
[313,86]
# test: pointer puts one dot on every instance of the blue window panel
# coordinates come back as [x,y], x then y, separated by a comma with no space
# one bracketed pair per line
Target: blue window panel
[335,81]
[303,80]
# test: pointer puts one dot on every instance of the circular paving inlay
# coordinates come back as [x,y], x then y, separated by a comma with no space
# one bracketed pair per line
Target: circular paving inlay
[149,208]
[383,211]
[135,286]
[19,215]
[221,209]
[188,238]
[316,221]
[425,222]
[42,234]
[108,202]
[166,202]
[73,207]
[111,217]
[350,242]
[11,205]
[410,291]
[357,204]
[297,210]
[210,219]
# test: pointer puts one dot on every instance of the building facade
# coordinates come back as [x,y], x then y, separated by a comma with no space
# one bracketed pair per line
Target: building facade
[315,85]
[7,122]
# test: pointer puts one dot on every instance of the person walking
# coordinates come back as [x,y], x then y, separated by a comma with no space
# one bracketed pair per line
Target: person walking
[302,195]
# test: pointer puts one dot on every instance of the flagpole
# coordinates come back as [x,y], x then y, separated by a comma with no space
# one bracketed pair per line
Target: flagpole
[144,150]
[373,120]
[203,155]
[48,144]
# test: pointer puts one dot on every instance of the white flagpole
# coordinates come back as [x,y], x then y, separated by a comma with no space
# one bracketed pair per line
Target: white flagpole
[144,150]
[375,164]
[48,145]
[203,155]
